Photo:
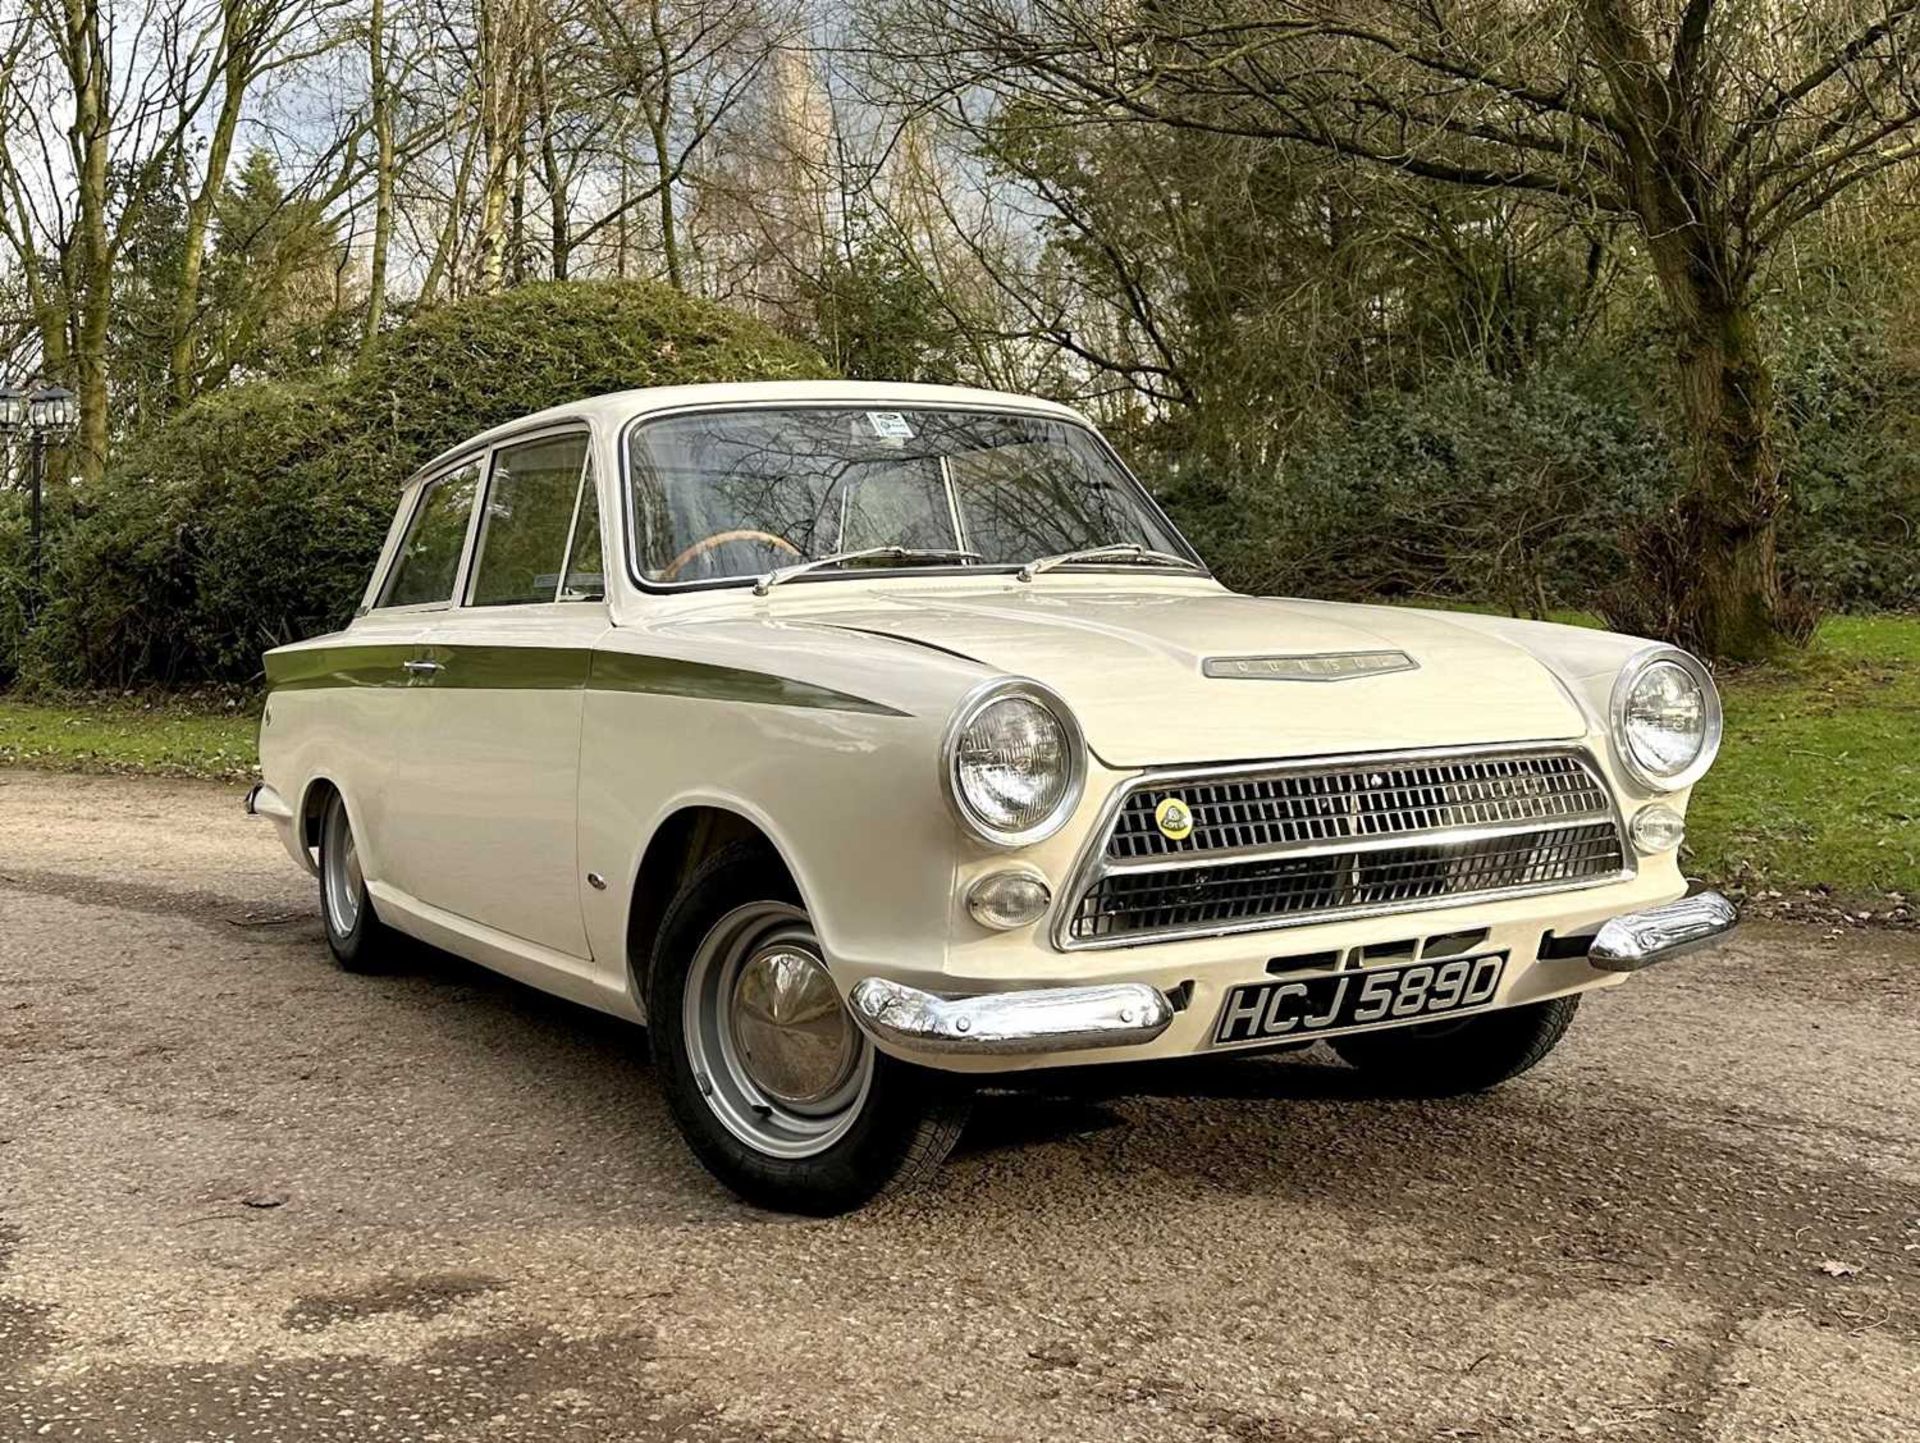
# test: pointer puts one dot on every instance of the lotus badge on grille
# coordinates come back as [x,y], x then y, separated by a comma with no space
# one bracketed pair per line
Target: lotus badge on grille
[1320,666]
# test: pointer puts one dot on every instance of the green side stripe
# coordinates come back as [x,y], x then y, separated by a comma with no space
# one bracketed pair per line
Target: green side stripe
[552,668]
[510,668]
[338,666]
[664,676]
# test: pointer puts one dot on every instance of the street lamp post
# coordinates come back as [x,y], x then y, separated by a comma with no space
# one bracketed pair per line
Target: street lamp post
[47,413]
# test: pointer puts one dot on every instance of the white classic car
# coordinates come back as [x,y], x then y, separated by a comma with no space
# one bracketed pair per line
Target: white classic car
[867,739]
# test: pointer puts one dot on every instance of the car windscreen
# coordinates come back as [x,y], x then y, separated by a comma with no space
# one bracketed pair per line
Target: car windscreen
[724,494]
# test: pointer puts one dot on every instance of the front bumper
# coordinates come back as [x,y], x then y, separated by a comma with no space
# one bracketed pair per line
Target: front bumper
[1639,939]
[1051,1019]
[1032,1022]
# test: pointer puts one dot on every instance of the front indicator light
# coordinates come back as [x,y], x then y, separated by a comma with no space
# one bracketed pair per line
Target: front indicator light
[1002,901]
[1658,828]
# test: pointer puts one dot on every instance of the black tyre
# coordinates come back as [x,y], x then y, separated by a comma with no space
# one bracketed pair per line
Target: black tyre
[1446,1059]
[775,1087]
[357,938]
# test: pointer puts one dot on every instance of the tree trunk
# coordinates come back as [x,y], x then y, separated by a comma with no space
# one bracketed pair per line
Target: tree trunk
[669,239]
[497,72]
[1722,588]
[1716,579]
[446,249]
[559,221]
[237,43]
[1737,492]
[382,176]
[83,54]
[517,232]
[659,123]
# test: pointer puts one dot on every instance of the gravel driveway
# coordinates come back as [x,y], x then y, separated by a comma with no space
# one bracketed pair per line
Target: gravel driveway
[246,1196]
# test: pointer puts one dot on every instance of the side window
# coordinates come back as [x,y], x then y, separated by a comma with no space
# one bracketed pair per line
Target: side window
[584,580]
[528,516]
[429,558]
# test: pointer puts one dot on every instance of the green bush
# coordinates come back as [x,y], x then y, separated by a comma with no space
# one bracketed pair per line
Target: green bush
[1528,491]
[1512,490]
[1852,534]
[253,516]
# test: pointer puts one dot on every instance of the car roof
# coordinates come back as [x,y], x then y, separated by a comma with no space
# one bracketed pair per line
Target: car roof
[618,407]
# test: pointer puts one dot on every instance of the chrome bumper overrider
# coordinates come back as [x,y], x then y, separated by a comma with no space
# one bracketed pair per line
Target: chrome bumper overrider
[1638,939]
[263,801]
[1050,1019]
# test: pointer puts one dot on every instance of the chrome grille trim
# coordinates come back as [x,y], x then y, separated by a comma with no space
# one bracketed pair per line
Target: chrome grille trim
[1331,838]
[1379,800]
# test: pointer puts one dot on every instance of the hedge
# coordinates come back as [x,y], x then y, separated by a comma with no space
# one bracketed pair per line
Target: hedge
[252,517]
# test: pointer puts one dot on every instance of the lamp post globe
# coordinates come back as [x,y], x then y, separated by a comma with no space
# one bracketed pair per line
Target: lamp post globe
[52,410]
[13,410]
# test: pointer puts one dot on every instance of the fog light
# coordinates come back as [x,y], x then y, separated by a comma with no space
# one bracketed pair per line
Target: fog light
[1657,829]
[1005,900]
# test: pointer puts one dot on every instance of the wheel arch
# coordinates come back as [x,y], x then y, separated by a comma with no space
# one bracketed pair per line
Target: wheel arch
[308,815]
[684,838]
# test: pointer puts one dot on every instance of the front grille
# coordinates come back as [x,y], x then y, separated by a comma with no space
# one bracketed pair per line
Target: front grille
[1283,846]
[1283,809]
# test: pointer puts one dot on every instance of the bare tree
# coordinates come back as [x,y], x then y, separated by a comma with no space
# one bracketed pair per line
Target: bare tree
[681,68]
[380,117]
[253,40]
[1711,127]
[508,34]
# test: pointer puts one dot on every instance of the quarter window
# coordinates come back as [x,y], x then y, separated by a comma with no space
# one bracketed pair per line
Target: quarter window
[429,558]
[531,504]
[585,581]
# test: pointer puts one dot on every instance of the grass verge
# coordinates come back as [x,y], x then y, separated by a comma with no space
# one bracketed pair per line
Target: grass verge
[1818,782]
[169,738]
[1817,787]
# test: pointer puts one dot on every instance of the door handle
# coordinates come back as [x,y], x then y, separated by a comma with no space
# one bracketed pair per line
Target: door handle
[420,668]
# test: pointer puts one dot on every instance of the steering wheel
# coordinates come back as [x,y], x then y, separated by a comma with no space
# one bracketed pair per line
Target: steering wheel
[721,538]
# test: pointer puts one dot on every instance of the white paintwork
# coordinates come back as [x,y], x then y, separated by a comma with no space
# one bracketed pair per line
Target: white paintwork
[477,830]
[494,778]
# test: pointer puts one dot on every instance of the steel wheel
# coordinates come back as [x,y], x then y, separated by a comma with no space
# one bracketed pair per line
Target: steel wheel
[774,1052]
[355,936]
[340,871]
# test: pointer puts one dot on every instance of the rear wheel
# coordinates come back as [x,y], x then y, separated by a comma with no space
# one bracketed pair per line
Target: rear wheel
[1470,1054]
[775,1087]
[357,938]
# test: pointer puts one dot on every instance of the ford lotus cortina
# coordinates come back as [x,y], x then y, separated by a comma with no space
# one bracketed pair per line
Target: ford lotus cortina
[869,740]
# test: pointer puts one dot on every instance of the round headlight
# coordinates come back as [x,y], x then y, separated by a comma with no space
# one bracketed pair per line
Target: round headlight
[1014,763]
[1666,719]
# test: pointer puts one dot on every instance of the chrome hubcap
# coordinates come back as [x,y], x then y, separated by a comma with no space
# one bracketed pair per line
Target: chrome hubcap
[340,861]
[774,1051]
[793,1037]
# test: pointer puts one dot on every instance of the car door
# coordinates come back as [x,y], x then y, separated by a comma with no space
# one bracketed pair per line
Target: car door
[388,702]
[492,791]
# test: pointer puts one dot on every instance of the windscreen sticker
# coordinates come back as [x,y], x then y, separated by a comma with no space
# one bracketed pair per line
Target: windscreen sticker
[890,425]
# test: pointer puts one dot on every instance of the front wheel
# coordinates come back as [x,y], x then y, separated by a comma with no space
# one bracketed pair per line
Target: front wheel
[775,1087]
[1471,1054]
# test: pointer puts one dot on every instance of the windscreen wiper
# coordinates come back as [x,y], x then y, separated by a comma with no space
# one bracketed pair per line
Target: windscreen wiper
[1128,551]
[936,556]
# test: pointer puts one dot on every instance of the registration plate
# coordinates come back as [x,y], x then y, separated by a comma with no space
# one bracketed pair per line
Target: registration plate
[1292,1008]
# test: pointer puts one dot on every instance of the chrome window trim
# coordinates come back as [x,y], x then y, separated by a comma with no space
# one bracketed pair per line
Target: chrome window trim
[470,559]
[1093,864]
[1623,686]
[630,520]
[481,458]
